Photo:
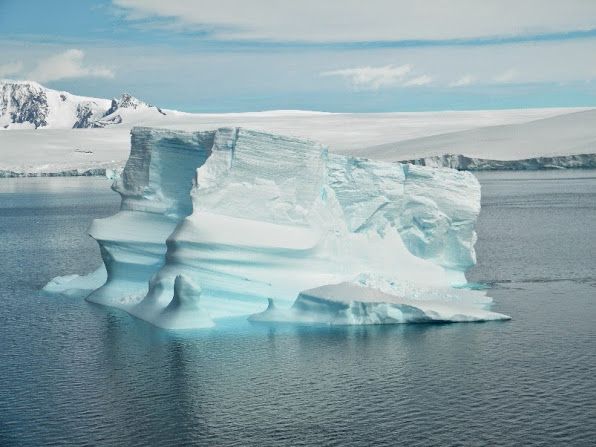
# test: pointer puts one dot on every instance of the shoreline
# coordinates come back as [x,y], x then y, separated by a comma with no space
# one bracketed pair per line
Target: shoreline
[458,162]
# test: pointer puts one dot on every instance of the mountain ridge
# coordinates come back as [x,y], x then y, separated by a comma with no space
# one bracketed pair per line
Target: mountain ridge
[30,105]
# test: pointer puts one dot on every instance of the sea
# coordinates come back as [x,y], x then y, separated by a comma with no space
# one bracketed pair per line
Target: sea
[76,373]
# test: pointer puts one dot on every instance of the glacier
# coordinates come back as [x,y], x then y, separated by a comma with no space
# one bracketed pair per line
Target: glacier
[233,222]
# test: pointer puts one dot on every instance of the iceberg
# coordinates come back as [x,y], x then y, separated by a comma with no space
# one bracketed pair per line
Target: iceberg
[235,222]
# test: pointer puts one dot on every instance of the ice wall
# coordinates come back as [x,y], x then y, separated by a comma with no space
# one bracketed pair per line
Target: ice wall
[239,222]
[155,189]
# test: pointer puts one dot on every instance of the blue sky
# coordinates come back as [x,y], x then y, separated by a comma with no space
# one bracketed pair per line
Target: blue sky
[331,55]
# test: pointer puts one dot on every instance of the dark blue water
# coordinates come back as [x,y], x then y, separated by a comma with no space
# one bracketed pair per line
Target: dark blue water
[77,373]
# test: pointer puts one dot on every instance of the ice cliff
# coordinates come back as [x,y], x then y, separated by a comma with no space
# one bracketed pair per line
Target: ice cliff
[238,222]
[463,163]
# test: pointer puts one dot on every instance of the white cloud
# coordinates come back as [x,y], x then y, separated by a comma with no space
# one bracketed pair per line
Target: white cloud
[356,20]
[10,68]
[463,81]
[506,76]
[372,78]
[68,64]
[420,80]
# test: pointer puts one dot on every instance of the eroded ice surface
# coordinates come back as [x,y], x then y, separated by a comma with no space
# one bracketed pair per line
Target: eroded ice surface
[235,222]
[379,301]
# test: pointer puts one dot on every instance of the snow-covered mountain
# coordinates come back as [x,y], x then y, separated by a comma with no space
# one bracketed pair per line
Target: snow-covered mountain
[29,105]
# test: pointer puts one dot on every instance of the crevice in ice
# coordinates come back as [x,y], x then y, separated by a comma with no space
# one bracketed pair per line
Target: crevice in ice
[370,218]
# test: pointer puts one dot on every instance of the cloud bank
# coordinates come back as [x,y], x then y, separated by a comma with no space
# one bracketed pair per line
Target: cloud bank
[358,21]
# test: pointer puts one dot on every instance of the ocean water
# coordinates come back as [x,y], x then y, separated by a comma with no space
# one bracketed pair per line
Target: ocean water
[75,373]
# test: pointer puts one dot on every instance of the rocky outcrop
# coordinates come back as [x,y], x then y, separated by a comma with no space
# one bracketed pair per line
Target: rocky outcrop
[24,103]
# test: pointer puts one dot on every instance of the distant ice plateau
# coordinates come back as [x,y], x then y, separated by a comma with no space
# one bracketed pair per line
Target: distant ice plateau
[233,222]
[559,142]
[44,132]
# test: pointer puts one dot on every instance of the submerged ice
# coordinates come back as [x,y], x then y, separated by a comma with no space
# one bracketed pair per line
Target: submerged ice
[238,222]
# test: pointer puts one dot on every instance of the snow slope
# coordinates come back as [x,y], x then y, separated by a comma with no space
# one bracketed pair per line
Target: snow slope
[568,134]
[268,217]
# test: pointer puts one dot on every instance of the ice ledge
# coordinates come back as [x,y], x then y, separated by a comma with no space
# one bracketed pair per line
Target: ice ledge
[352,303]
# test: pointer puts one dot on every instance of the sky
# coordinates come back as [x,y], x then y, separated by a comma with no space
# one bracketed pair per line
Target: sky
[328,55]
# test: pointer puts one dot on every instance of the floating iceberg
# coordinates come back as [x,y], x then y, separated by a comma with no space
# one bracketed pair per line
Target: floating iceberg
[238,222]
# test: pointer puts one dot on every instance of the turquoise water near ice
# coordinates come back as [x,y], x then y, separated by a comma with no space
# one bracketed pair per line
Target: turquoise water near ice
[76,373]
